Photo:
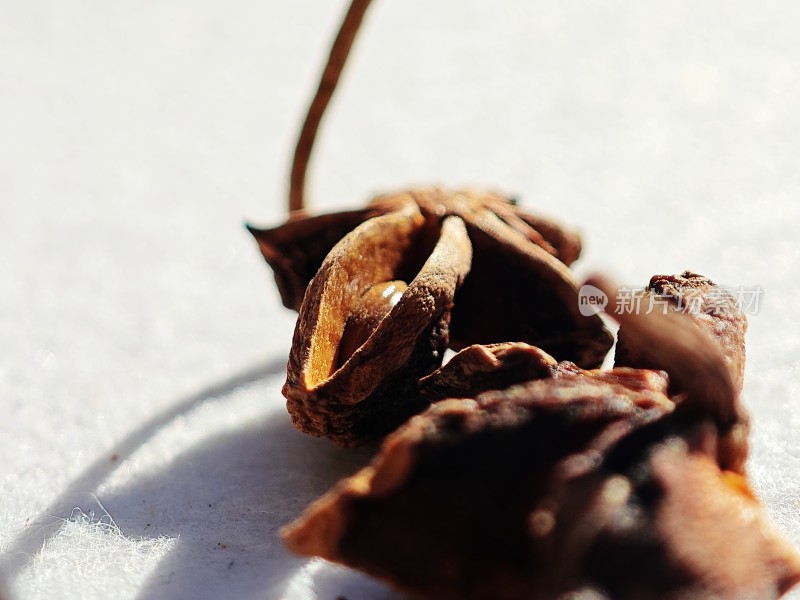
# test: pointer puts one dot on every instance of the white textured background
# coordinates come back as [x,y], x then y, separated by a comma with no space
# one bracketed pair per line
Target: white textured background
[144,449]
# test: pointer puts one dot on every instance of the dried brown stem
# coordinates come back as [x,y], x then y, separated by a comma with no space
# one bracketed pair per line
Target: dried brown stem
[327,85]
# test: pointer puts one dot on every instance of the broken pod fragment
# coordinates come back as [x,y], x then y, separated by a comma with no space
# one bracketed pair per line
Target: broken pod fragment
[709,307]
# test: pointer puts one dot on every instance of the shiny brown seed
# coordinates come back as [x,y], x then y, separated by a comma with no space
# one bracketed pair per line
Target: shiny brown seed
[373,305]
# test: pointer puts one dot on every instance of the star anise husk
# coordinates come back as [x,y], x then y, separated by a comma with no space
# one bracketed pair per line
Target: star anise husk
[515,287]
[623,484]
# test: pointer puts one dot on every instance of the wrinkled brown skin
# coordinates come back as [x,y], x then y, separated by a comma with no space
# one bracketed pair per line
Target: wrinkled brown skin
[480,368]
[607,483]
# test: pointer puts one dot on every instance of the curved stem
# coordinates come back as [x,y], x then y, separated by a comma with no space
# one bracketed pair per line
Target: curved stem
[327,85]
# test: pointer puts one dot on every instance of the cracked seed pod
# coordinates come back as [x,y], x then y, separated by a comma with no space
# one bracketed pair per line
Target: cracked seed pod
[373,322]
[587,482]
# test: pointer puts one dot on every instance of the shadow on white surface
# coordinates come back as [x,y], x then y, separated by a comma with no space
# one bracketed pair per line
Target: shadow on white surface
[23,548]
[225,501]
[220,503]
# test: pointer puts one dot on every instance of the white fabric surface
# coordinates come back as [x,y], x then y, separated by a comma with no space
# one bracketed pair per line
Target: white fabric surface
[144,448]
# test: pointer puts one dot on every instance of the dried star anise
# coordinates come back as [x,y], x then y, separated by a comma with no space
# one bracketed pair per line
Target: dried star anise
[626,484]
[383,291]
[388,300]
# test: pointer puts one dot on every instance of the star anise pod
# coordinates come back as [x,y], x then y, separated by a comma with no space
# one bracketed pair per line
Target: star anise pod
[426,270]
[383,291]
[626,484]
